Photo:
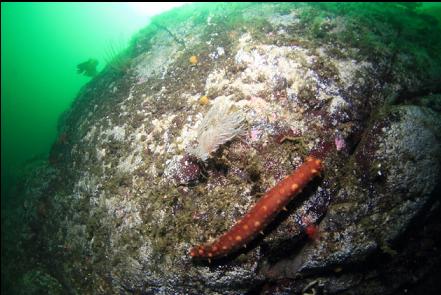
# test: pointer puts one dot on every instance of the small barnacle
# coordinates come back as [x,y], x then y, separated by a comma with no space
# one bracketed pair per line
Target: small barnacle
[222,123]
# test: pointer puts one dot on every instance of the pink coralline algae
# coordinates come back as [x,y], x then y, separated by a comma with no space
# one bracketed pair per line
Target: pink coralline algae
[188,171]
[255,134]
[340,143]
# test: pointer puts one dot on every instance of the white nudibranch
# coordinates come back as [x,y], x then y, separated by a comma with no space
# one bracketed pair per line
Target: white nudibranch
[222,123]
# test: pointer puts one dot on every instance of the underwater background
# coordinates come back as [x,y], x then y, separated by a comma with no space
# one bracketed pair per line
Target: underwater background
[42,43]
[60,61]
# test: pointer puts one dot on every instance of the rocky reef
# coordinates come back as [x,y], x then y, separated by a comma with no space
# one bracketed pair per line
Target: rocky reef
[121,201]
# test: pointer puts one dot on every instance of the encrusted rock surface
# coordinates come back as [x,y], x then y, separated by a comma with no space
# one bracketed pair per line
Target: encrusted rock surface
[124,200]
[375,220]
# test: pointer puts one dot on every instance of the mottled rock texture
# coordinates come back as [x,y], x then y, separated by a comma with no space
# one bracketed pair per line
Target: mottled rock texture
[354,84]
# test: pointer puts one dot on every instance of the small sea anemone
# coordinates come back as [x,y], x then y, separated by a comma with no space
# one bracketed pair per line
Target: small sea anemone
[203,100]
[193,60]
[222,123]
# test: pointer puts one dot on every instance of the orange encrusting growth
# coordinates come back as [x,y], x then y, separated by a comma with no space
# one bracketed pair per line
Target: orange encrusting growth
[261,214]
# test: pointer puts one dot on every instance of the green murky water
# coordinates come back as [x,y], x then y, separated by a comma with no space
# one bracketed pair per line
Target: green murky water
[41,45]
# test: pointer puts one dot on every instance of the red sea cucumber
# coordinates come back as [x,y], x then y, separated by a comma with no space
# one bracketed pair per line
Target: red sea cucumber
[261,214]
